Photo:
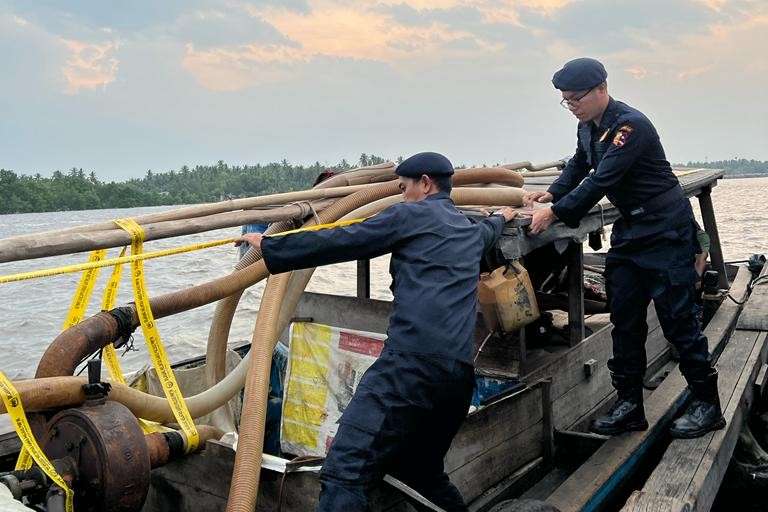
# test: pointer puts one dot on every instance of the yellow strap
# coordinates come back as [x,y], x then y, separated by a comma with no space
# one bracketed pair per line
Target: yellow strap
[68,269]
[16,411]
[109,354]
[317,227]
[152,337]
[24,461]
[110,292]
[84,290]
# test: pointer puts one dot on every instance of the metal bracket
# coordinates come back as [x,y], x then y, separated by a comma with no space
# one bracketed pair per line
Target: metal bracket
[590,367]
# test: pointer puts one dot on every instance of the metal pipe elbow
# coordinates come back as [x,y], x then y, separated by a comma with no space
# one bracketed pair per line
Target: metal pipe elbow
[74,344]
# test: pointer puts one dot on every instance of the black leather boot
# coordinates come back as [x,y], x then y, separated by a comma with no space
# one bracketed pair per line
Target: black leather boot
[627,413]
[703,414]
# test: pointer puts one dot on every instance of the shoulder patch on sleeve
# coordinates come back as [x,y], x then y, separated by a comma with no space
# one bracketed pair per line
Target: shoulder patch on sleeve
[622,135]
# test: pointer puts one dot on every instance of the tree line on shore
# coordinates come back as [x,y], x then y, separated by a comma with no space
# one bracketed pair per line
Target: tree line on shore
[78,190]
[735,166]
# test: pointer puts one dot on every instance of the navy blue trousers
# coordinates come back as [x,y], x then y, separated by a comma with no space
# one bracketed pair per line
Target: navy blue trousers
[401,421]
[630,289]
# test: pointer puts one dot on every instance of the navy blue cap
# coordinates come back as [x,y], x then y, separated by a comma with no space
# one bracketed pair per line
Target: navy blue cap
[580,75]
[433,164]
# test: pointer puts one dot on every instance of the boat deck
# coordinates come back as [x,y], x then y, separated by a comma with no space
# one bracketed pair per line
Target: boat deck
[508,445]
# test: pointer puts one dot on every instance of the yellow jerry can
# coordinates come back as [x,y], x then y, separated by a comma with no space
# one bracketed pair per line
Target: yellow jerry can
[487,302]
[507,292]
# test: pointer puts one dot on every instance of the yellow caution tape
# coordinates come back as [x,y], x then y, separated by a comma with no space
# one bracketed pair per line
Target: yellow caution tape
[109,354]
[24,461]
[68,269]
[317,227]
[152,337]
[110,292]
[16,411]
[84,290]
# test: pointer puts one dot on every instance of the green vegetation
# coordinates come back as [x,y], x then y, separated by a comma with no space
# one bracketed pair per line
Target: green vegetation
[735,167]
[76,190]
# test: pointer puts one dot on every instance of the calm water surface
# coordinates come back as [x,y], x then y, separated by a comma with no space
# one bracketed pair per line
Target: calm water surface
[31,312]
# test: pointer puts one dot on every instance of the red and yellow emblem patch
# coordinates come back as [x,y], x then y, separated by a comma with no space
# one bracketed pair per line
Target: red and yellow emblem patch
[622,135]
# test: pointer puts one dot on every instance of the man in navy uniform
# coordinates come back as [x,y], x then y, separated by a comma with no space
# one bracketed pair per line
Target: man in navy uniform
[653,246]
[412,400]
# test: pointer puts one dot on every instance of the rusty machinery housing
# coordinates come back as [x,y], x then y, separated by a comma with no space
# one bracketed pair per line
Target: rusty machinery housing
[107,446]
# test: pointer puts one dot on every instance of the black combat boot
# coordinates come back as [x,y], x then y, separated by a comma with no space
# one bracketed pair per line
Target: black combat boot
[704,414]
[627,413]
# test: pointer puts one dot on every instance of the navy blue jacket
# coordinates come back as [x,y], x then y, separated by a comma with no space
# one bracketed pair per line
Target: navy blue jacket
[631,169]
[435,265]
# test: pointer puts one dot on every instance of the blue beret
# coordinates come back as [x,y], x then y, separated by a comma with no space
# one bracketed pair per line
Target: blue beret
[580,75]
[430,163]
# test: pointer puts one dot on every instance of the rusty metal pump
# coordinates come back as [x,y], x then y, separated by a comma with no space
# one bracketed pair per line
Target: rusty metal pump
[100,451]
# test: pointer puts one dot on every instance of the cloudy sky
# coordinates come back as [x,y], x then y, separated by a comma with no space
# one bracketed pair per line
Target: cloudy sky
[122,87]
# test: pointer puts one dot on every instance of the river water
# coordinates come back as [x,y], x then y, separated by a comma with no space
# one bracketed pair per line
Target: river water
[31,312]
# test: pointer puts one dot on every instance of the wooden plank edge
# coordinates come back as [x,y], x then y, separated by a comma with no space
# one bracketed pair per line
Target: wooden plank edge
[702,491]
[656,485]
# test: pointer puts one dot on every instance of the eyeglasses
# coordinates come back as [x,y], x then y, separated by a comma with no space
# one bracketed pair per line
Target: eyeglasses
[567,103]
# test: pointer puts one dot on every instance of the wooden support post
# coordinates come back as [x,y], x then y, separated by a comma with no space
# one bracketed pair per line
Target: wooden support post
[575,293]
[364,279]
[548,420]
[522,349]
[710,226]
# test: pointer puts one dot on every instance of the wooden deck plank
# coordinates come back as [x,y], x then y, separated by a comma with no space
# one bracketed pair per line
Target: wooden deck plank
[710,473]
[597,479]
[654,504]
[674,473]
[691,471]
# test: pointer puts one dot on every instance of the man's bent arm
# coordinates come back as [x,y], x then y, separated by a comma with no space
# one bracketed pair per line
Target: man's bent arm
[368,239]
[491,228]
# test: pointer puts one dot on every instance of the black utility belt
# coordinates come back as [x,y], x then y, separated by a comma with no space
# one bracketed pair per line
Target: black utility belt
[671,196]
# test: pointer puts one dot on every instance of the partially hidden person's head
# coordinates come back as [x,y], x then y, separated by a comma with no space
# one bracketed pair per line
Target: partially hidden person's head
[582,83]
[323,176]
[424,174]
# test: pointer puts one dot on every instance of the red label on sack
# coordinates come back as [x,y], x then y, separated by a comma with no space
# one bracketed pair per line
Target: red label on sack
[360,344]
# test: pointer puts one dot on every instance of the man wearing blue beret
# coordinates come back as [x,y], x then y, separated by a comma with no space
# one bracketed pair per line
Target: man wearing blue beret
[653,246]
[410,403]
